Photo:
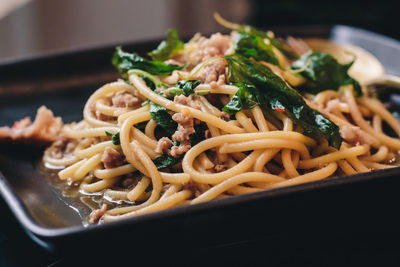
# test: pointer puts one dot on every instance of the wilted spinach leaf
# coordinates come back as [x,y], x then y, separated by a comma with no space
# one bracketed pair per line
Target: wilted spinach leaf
[124,62]
[163,118]
[254,46]
[166,48]
[246,97]
[256,32]
[188,86]
[324,72]
[271,92]
[199,134]
[114,138]
[165,161]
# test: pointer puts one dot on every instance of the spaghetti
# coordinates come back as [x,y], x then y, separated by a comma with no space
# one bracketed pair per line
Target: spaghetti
[182,131]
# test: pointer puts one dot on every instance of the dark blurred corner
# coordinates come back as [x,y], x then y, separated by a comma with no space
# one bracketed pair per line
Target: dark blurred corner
[47,25]
[378,16]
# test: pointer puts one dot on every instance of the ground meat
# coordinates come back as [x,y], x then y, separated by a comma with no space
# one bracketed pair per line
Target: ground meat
[163,145]
[185,127]
[123,99]
[213,72]
[129,182]
[95,215]
[111,158]
[63,146]
[103,117]
[354,135]
[225,116]
[187,101]
[216,45]
[44,130]
[220,167]
[177,151]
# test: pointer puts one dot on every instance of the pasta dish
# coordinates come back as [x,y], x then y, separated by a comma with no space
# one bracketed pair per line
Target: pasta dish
[220,116]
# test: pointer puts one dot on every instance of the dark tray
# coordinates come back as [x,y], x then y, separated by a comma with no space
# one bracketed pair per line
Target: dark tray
[63,81]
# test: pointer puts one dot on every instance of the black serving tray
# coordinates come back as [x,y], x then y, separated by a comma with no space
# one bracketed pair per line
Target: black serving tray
[63,82]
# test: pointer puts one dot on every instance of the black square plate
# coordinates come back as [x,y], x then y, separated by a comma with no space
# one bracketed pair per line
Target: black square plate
[63,81]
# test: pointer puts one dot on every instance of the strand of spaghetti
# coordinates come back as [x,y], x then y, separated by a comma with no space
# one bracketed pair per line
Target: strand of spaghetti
[379,156]
[215,178]
[103,91]
[356,115]
[217,89]
[97,148]
[110,110]
[116,194]
[187,162]
[139,189]
[377,123]
[233,181]
[266,143]
[86,167]
[376,165]
[99,185]
[159,205]
[357,164]
[260,119]
[124,116]
[143,138]
[150,152]
[264,158]
[127,148]
[91,132]
[150,128]
[214,131]
[203,116]
[170,191]
[288,163]
[69,171]
[239,189]
[63,162]
[377,107]
[346,167]
[322,97]
[246,122]
[112,172]
[213,110]
[309,177]
[334,156]
[205,162]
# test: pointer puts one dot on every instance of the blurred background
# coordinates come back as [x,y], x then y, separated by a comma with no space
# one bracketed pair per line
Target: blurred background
[29,27]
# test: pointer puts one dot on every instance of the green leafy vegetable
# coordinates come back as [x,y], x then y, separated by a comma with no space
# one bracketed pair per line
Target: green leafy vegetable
[114,138]
[188,86]
[166,48]
[199,134]
[183,88]
[278,44]
[163,118]
[141,126]
[246,97]
[324,72]
[262,86]
[254,46]
[124,62]
[149,83]
[165,161]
